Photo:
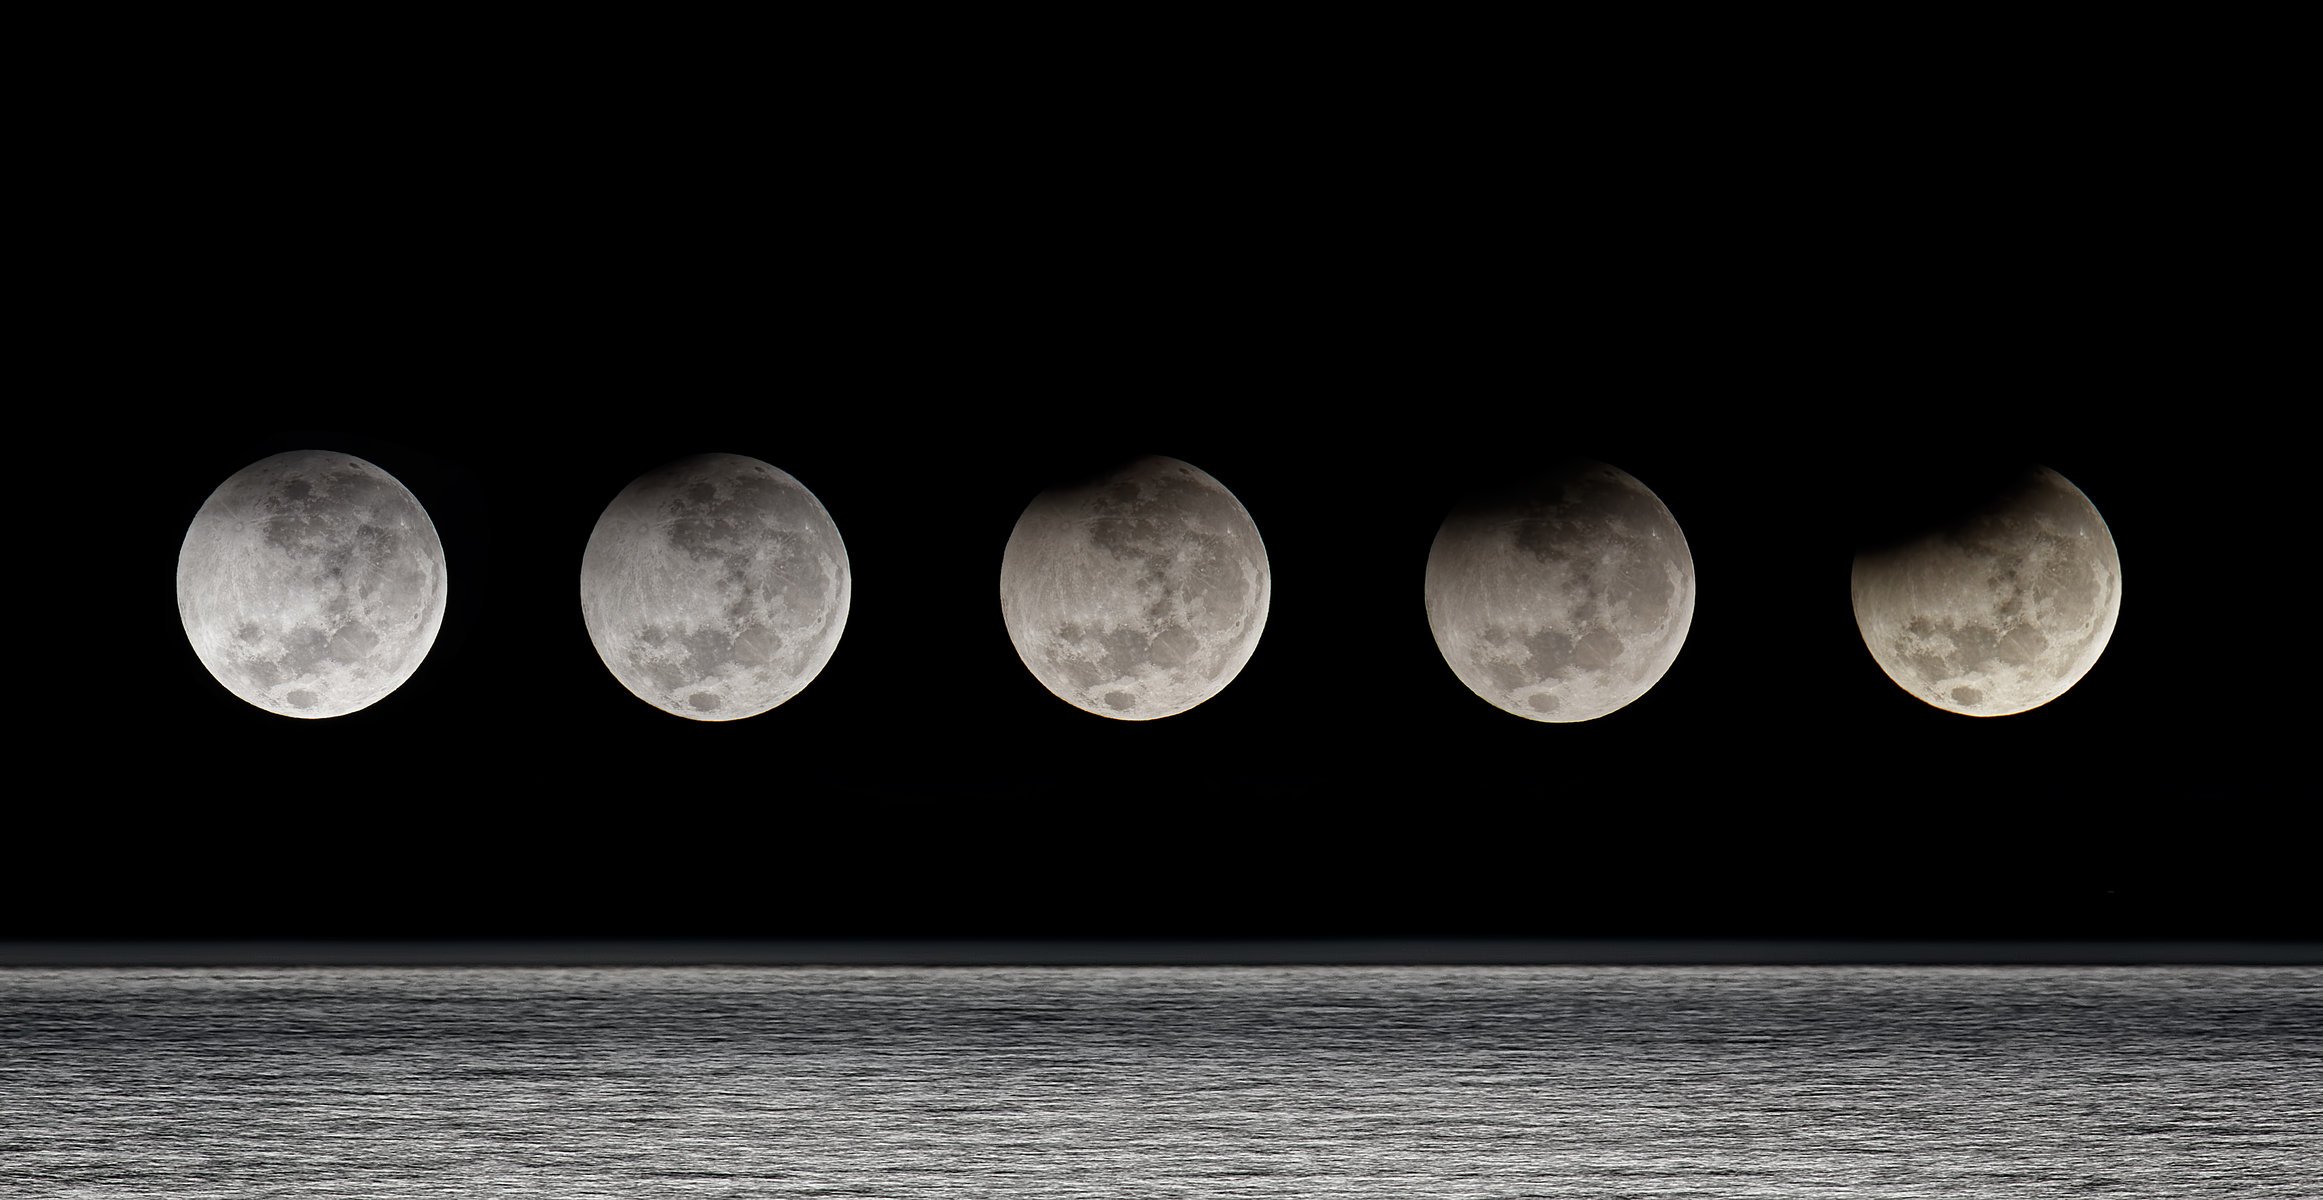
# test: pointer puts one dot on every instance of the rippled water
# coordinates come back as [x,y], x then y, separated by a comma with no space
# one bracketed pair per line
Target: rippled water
[1110,1082]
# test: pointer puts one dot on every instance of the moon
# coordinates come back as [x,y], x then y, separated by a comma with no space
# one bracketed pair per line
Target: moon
[1563,597]
[715,587]
[311,584]
[1999,611]
[1138,594]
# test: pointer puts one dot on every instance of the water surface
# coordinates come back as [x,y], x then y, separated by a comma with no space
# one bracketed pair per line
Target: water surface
[1158,1082]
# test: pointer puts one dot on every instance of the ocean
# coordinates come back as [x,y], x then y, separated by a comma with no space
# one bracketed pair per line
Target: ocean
[1102,1082]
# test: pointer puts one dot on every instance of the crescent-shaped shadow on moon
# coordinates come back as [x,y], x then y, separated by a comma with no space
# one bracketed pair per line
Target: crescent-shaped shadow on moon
[715,587]
[1563,596]
[1138,594]
[311,584]
[1999,609]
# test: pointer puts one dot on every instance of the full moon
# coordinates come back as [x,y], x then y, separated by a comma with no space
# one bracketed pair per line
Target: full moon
[1998,611]
[1564,597]
[311,584]
[715,587]
[1136,595]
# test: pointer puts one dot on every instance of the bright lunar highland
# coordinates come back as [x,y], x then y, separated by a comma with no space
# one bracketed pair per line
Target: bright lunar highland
[715,587]
[2000,612]
[1136,595]
[311,584]
[1563,597]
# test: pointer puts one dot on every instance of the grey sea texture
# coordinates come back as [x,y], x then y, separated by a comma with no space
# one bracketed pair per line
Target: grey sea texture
[1161,1082]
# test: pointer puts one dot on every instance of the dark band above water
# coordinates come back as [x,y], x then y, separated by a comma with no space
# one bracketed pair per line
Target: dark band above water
[1374,951]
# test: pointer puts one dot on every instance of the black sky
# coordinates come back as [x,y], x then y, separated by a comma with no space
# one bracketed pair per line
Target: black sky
[1783,338]
[1774,784]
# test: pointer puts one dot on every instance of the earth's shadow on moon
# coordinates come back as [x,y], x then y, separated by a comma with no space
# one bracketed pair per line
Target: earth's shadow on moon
[1074,470]
[1898,508]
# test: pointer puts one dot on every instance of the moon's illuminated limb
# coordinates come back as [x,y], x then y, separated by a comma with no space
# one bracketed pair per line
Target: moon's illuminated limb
[2003,611]
[715,587]
[1564,597]
[1138,595]
[311,584]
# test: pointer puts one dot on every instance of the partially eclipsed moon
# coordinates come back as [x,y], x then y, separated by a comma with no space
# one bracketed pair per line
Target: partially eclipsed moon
[715,587]
[2001,611]
[1564,597]
[311,584]
[1138,595]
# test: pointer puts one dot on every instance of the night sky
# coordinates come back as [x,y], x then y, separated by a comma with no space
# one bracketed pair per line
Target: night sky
[1774,784]
[1345,346]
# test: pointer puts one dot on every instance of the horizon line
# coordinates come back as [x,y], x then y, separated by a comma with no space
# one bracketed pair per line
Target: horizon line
[926,952]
